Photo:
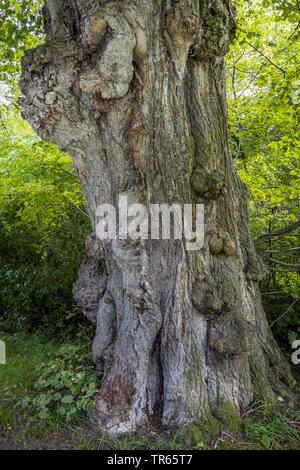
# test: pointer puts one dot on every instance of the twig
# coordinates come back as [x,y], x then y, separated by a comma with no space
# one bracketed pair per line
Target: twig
[74,176]
[77,208]
[281,263]
[285,251]
[276,233]
[282,270]
[239,138]
[254,77]
[255,48]
[285,313]
[267,58]
[273,293]
[294,31]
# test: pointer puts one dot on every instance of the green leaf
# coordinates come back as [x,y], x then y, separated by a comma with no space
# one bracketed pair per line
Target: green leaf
[67,399]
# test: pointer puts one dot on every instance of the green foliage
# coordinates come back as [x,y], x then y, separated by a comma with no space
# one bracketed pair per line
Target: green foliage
[37,182]
[263,88]
[274,428]
[24,355]
[42,233]
[264,119]
[20,28]
[200,446]
[47,381]
[283,308]
[66,384]
[46,387]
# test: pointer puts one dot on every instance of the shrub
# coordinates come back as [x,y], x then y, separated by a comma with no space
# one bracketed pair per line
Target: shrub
[65,387]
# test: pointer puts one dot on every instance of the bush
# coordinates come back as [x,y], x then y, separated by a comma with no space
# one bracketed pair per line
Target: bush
[282,310]
[42,234]
[65,387]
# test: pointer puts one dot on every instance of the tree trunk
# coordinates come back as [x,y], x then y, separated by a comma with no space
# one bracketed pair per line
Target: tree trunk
[135,92]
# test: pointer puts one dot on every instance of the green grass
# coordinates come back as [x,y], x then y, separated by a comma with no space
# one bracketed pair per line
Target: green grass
[274,428]
[34,360]
[25,356]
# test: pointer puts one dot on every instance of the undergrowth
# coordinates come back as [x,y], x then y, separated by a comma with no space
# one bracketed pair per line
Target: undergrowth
[48,387]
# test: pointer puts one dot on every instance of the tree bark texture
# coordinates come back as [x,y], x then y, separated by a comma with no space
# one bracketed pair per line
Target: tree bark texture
[134,91]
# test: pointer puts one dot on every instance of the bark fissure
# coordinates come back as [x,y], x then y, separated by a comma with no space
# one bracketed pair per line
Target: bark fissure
[135,93]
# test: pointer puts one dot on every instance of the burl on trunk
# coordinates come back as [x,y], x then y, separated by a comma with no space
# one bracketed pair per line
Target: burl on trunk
[134,91]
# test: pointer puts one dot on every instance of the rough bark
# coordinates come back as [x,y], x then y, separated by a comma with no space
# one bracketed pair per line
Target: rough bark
[134,91]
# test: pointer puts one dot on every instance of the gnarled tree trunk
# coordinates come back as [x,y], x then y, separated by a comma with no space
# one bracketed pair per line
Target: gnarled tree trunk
[135,92]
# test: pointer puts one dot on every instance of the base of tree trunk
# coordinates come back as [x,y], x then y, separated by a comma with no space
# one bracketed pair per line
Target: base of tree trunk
[165,371]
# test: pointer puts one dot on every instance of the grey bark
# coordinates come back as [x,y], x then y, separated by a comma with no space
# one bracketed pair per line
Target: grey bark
[135,92]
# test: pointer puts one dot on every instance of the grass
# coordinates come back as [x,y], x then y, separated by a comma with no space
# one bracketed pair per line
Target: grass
[25,356]
[29,355]
[274,428]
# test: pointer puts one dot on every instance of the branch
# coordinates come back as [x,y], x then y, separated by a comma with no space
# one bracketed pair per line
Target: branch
[290,37]
[298,6]
[267,58]
[239,139]
[288,252]
[282,270]
[281,263]
[242,71]
[84,214]
[254,77]
[285,313]
[74,176]
[253,47]
[273,293]
[276,233]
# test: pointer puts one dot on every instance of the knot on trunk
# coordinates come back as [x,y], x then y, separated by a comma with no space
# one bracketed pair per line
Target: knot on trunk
[182,29]
[217,20]
[74,74]
[211,297]
[221,242]
[209,185]
[231,338]
[200,31]
[95,31]
[111,75]
[92,281]
[254,269]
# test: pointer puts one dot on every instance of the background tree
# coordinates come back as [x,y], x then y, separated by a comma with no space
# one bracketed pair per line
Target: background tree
[263,91]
